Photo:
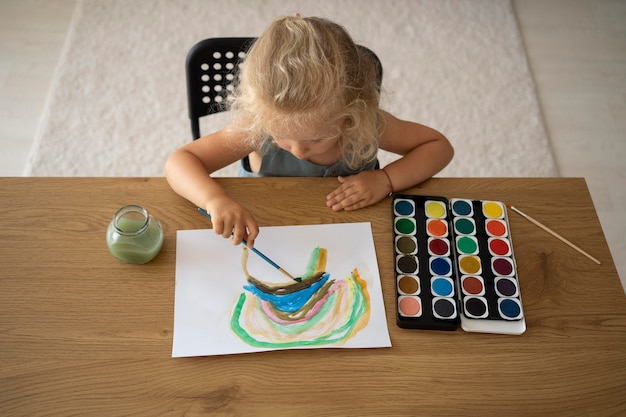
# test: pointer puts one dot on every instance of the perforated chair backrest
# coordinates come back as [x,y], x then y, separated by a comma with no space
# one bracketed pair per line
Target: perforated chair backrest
[212,66]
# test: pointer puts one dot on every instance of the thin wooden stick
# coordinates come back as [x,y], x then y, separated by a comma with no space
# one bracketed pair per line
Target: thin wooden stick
[553,233]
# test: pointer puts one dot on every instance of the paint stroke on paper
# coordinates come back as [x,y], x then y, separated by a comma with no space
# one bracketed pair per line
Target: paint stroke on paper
[222,306]
[319,310]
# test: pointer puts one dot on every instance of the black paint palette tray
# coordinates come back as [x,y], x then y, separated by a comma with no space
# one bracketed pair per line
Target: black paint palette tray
[454,265]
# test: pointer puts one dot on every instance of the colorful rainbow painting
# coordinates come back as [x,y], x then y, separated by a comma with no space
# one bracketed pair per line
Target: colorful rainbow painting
[229,301]
[317,311]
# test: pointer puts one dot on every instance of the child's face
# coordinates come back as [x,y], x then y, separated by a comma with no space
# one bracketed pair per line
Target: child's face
[308,144]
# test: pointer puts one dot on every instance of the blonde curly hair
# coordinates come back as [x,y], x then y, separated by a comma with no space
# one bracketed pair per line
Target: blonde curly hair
[307,73]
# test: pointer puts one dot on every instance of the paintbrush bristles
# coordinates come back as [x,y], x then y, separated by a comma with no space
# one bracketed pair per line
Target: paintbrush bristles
[288,274]
[552,232]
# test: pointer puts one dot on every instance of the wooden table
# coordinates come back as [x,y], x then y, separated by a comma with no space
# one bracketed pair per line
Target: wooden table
[84,334]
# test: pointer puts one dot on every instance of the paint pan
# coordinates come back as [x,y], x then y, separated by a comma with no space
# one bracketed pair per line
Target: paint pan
[407,264]
[404,207]
[426,285]
[497,228]
[464,226]
[473,285]
[475,307]
[489,289]
[408,284]
[406,245]
[467,245]
[405,226]
[455,265]
[462,207]
[444,308]
[499,246]
[438,246]
[442,286]
[410,307]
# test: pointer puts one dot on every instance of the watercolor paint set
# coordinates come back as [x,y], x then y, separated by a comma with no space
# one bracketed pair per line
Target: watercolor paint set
[454,265]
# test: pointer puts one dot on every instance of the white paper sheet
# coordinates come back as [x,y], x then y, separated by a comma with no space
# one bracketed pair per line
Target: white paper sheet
[210,278]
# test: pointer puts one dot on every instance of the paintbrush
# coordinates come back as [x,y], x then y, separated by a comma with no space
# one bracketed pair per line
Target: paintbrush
[258,252]
[552,232]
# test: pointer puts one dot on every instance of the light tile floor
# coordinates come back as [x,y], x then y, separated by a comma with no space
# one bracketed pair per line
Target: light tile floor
[576,51]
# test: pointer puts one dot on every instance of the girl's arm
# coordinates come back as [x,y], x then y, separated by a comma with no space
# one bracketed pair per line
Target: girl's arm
[424,151]
[188,172]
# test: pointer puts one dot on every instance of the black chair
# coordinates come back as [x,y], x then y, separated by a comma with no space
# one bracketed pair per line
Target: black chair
[212,66]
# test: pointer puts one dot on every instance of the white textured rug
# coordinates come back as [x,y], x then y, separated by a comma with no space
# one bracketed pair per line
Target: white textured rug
[117,106]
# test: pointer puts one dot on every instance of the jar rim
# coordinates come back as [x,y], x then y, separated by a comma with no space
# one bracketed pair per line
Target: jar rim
[131,208]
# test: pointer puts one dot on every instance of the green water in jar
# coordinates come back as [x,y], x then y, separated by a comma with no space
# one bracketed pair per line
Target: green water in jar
[133,236]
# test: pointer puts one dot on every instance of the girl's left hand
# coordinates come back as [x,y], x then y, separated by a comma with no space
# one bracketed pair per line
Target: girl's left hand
[358,191]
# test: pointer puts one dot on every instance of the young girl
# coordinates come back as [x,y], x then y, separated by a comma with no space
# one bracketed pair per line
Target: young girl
[306,105]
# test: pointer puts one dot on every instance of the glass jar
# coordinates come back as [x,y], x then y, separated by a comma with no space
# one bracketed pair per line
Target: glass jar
[133,236]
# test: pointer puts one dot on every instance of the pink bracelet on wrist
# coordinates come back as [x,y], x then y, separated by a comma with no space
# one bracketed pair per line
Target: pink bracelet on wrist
[389,182]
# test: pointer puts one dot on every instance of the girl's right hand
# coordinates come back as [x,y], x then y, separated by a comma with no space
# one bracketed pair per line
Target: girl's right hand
[230,218]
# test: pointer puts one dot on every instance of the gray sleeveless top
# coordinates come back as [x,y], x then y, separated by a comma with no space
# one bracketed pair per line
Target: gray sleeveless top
[277,162]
